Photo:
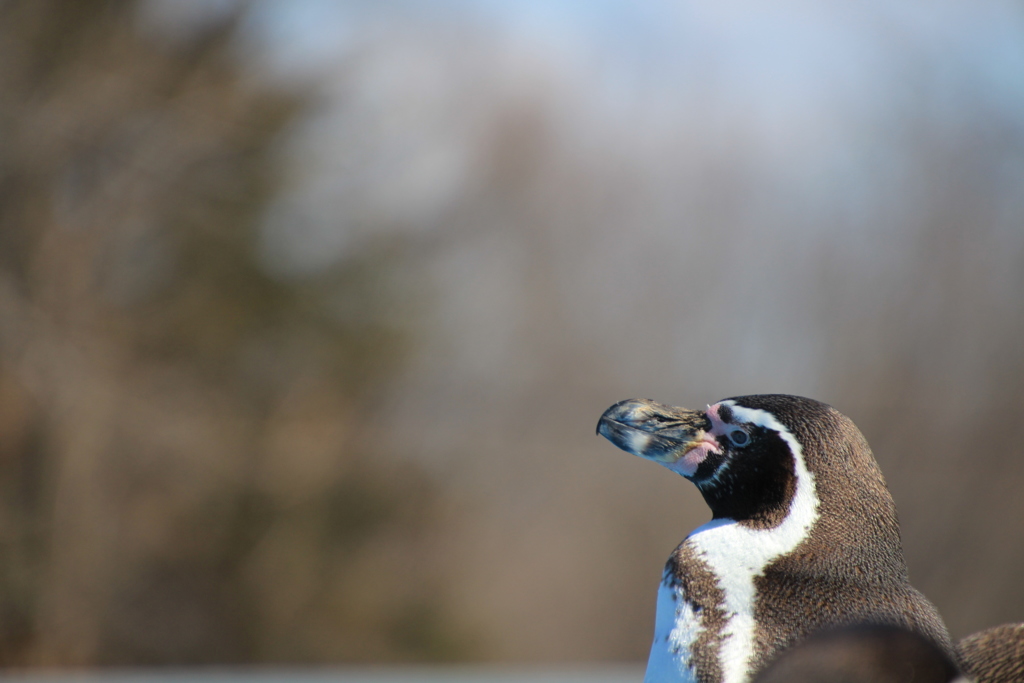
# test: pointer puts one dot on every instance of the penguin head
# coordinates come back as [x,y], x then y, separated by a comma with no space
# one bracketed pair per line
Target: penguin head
[745,454]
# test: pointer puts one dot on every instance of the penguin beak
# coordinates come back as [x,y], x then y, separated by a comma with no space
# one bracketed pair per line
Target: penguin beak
[652,430]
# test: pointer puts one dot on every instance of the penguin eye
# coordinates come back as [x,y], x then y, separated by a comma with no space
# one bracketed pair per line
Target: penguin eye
[738,437]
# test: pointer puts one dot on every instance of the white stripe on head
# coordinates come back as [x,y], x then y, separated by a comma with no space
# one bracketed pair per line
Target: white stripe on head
[737,554]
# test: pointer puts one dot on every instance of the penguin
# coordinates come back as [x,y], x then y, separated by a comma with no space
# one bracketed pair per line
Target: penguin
[803,535]
[995,655]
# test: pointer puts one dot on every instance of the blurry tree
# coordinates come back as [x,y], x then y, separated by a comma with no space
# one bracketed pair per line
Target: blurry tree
[194,455]
[183,478]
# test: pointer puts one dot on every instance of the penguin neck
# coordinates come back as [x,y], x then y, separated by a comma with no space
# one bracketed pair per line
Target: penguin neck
[740,543]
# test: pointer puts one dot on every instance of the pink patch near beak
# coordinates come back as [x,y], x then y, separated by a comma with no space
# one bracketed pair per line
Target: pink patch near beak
[691,460]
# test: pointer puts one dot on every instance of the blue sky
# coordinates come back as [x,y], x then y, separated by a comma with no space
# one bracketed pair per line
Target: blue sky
[818,84]
[793,48]
[785,48]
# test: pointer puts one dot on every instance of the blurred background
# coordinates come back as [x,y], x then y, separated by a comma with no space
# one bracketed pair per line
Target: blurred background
[308,309]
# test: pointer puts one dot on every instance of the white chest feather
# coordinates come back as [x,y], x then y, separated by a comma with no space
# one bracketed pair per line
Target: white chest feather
[676,627]
[735,555]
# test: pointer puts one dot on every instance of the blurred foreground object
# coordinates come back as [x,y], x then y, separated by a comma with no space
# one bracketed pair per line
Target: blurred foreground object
[870,653]
[182,480]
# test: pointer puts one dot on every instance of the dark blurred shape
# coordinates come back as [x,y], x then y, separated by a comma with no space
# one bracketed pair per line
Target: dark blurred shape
[995,655]
[867,653]
[183,479]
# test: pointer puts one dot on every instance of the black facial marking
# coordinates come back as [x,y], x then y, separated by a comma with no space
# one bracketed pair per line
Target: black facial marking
[707,468]
[756,482]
